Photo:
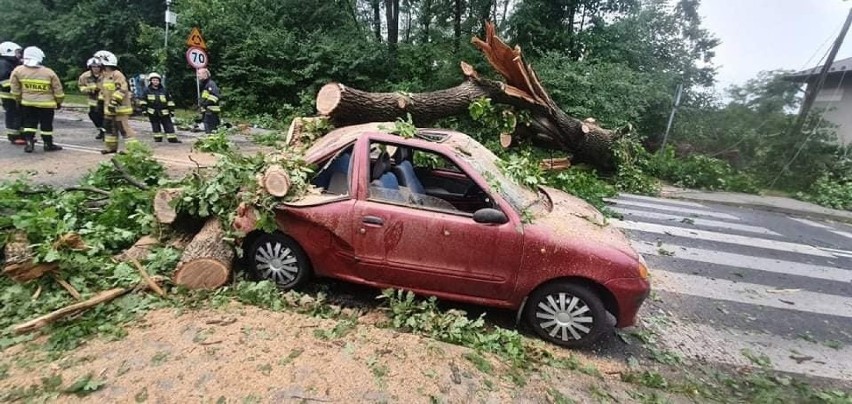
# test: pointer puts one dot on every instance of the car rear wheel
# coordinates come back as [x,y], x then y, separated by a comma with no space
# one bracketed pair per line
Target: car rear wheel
[567,314]
[278,258]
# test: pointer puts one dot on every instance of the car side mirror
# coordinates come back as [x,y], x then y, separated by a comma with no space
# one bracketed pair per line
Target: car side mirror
[489,216]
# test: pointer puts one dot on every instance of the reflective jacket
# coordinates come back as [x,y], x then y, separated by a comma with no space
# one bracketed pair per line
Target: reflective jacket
[7,64]
[157,101]
[88,84]
[36,87]
[116,92]
[210,96]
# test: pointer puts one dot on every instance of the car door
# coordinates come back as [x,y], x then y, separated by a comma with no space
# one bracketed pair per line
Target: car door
[405,245]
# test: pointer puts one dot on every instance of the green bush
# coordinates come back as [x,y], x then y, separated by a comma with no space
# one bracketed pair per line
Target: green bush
[831,193]
[700,171]
[583,184]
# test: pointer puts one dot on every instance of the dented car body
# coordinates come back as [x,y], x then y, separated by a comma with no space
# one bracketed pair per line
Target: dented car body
[434,214]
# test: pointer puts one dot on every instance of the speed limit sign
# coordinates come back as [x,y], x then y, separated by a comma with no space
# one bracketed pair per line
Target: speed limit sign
[196,57]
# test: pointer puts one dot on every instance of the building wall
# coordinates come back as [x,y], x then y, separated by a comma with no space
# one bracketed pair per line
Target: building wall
[836,99]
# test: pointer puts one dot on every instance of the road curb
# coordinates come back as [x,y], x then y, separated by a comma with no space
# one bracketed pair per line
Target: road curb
[817,212]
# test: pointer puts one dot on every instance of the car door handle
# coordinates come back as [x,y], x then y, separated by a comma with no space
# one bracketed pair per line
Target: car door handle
[374,220]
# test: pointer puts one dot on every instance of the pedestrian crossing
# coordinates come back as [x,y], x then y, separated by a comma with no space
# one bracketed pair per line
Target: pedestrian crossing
[744,283]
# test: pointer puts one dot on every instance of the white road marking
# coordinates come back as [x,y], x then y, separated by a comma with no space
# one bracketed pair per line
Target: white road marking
[753,294]
[687,211]
[696,221]
[658,200]
[721,237]
[727,345]
[747,262]
[838,253]
[825,227]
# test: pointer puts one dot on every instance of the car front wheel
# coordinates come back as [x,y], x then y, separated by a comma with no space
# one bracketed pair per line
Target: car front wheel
[567,314]
[278,258]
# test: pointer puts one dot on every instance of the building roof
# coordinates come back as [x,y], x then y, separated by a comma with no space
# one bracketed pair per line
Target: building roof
[839,66]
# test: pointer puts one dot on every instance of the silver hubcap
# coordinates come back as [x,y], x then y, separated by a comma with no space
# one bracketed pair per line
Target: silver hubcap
[276,262]
[564,317]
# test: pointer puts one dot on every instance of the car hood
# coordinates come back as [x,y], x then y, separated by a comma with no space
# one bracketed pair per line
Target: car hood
[571,218]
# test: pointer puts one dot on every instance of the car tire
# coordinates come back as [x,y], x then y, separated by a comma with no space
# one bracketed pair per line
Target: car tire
[278,258]
[567,314]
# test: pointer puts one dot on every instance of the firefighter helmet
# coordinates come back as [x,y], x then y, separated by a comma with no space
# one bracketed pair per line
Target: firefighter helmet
[33,56]
[155,75]
[93,62]
[9,48]
[107,58]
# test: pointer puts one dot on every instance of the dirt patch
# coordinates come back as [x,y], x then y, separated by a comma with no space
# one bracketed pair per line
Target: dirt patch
[251,355]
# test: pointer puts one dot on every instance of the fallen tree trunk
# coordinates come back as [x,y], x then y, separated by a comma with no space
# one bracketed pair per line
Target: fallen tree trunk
[275,181]
[587,141]
[207,259]
[139,250]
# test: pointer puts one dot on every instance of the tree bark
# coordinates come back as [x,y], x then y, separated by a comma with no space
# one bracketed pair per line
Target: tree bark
[392,20]
[377,19]
[585,140]
[139,250]
[206,262]
[19,260]
[457,26]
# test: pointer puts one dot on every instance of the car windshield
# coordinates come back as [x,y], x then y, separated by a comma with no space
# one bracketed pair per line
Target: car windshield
[485,162]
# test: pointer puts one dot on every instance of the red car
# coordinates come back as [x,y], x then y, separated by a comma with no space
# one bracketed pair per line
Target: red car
[435,214]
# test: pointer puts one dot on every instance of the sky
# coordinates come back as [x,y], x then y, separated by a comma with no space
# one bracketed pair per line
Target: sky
[761,35]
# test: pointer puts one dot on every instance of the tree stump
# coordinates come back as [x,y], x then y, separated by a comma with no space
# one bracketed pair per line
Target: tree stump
[207,259]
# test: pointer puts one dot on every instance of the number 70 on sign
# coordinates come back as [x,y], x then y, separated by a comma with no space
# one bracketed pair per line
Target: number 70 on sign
[196,57]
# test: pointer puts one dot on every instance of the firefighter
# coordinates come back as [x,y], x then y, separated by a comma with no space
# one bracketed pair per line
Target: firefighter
[39,93]
[209,101]
[10,58]
[160,109]
[88,84]
[117,107]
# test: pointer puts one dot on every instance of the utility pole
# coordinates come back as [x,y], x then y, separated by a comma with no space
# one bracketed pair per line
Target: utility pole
[813,90]
[671,116]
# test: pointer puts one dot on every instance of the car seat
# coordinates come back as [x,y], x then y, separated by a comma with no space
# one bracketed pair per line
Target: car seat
[404,171]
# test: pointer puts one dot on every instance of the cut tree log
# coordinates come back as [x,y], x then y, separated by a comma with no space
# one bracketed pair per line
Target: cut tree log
[19,260]
[299,130]
[139,250]
[586,141]
[207,259]
[275,181]
[555,164]
[164,200]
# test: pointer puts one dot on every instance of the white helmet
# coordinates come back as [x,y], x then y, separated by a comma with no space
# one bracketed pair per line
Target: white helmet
[33,56]
[93,62]
[155,75]
[107,58]
[9,48]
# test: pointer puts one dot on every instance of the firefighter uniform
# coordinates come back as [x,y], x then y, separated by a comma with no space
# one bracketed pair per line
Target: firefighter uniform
[160,109]
[210,95]
[9,52]
[88,84]
[39,92]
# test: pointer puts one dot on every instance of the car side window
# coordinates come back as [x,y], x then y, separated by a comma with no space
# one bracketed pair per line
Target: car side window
[422,179]
[333,177]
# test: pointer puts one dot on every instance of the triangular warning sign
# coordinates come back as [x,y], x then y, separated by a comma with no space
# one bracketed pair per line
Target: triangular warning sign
[195,39]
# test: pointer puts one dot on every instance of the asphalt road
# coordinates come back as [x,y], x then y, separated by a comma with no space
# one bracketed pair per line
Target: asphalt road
[731,282]
[76,134]
[728,282]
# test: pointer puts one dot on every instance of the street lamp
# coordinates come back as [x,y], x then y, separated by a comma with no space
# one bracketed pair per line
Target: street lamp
[171,18]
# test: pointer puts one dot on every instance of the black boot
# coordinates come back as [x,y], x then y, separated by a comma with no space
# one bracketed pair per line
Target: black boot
[100,135]
[49,146]
[30,144]
[174,140]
